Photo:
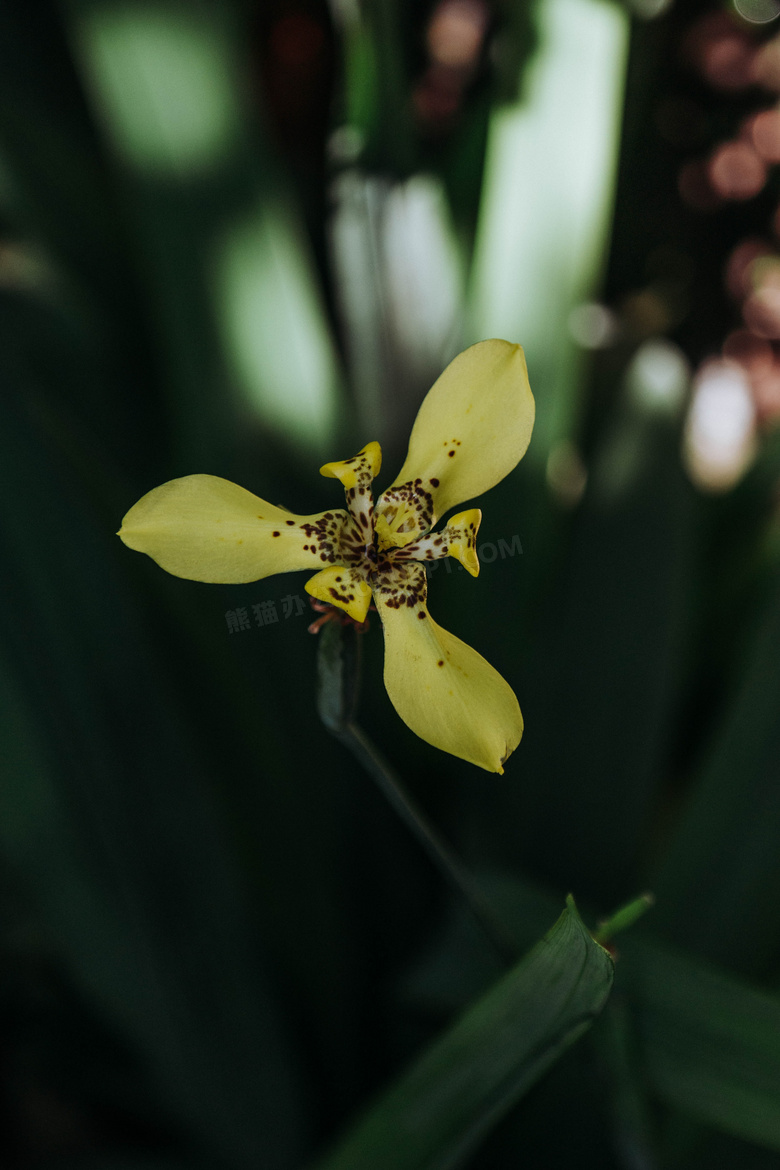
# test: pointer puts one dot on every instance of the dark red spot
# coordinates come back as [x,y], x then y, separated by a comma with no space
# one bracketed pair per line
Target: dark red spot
[450,453]
[434,483]
[440,662]
[289,523]
[421,614]
[276,534]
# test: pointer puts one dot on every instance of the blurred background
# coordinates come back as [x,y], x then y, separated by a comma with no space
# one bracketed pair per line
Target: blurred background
[243,239]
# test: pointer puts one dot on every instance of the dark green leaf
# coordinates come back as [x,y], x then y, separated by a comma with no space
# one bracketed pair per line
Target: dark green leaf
[707,1042]
[446,1103]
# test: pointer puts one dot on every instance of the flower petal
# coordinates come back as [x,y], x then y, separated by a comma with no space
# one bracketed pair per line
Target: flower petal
[473,427]
[457,539]
[344,587]
[209,529]
[356,476]
[442,689]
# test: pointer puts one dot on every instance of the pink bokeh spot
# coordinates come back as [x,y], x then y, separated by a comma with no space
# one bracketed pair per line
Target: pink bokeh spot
[736,171]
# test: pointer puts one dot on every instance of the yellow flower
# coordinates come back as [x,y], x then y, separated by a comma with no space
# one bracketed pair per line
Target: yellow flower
[472,429]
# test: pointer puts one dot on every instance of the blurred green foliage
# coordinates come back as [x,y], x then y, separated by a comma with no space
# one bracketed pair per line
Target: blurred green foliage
[244,238]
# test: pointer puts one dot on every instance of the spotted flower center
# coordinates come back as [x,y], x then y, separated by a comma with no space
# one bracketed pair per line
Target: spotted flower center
[383,548]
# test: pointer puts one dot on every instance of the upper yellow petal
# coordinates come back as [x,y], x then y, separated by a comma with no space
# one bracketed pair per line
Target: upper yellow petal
[356,476]
[445,691]
[473,427]
[209,529]
[365,465]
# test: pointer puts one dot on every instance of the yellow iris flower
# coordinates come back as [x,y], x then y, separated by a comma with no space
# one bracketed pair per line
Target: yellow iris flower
[472,429]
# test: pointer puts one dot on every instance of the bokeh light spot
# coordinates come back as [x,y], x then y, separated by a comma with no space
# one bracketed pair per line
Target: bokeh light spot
[738,277]
[736,171]
[274,328]
[163,81]
[658,376]
[722,52]
[766,65]
[593,326]
[455,32]
[762,312]
[753,353]
[719,439]
[566,473]
[765,384]
[765,133]
[758,11]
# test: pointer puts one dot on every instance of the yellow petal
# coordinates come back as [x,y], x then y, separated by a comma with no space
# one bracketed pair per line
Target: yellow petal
[458,539]
[343,587]
[473,427]
[356,476]
[442,689]
[366,463]
[209,529]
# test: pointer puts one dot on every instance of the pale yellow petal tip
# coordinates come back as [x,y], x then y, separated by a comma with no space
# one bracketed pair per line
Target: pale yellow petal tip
[463,546]
[509,738]
[128,538]
[373,453]
[369,458]
[509,751]
[340,586]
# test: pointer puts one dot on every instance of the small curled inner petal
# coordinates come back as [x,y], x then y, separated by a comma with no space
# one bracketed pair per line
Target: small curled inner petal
[356,476]
[458,539]
[343,587]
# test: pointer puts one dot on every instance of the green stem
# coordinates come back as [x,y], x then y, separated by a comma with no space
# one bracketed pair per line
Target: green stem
[339,670]
[448,864]
[623,918]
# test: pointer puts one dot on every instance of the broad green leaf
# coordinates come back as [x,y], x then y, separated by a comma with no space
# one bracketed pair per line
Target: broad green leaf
[708,1044]
[108,822]
[717,887]
[440,1109]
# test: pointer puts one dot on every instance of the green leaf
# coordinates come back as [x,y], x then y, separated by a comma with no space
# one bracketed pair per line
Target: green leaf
[708,1043]
[717,886]
[440,1109]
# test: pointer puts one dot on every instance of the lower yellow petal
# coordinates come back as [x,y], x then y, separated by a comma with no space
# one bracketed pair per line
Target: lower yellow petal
[343,587]
[445,691]
[208,529]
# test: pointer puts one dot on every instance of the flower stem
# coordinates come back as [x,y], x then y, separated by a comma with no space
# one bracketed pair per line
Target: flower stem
[448,864]
[339,668]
